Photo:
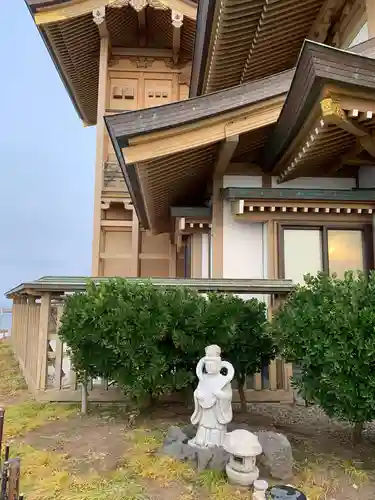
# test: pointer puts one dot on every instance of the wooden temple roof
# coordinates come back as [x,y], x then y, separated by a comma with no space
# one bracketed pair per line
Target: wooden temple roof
[240,40]
[169,154]
[229,42]
[73,39]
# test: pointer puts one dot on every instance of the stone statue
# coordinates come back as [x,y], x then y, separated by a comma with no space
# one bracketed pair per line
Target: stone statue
[212,399]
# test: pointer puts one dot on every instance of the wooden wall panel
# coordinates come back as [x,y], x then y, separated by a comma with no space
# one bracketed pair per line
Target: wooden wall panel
[152,244]
[157,92]
[124,94]
[154,268]
[117,267]
[118,242]
[117,212]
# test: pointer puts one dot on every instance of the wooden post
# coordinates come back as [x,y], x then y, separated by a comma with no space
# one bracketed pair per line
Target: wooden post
[217,229]
[172,260]
[59,350]
[135,265]
[45,312]
[196,255]
[370,10]
[100,143]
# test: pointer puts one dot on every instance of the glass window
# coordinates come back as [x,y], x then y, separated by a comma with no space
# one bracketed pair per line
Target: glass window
[345,251]
[302,253]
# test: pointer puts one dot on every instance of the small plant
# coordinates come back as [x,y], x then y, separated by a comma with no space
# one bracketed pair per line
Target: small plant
[328,328]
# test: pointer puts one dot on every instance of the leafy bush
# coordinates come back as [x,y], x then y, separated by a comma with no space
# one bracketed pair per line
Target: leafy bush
[239,327]
[149,339]
[328,328]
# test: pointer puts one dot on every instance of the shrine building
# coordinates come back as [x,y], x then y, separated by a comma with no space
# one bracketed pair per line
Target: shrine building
[235,140]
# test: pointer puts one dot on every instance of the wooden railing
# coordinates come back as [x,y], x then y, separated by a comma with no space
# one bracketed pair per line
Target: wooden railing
[45,362]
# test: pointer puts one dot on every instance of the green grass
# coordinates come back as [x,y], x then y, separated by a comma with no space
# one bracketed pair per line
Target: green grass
[29,415]
[11,380]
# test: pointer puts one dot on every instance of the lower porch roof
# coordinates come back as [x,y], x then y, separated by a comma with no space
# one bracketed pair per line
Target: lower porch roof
[59,285]
[315,120]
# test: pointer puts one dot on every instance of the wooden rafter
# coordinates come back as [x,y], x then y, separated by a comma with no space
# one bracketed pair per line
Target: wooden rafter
[333,113]
[345,158]
[75,8]
[177,21]
[226,151]
[322,24]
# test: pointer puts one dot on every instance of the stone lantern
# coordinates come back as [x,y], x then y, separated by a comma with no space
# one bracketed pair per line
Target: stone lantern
[243,447]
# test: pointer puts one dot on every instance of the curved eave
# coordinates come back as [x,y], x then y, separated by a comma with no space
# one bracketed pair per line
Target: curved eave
[168,153]
[241,40]
[321,72]
[47,11]
[57,65]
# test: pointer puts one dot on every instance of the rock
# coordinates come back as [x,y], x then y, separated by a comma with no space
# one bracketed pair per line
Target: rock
[190,430]
[173,450]
[175,434]
[219,459]
[176,446]
[277,456]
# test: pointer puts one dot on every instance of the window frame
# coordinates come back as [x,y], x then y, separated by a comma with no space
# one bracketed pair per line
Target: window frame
[367,242]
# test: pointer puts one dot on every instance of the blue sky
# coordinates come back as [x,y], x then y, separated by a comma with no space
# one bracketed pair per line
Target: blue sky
[46,162]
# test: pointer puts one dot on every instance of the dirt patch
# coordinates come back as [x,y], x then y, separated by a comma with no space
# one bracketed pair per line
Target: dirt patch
[91,443]
[328,465]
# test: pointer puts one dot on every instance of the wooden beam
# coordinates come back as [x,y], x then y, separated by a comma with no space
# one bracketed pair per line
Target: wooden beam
[226,151]
[45,311]
[333,113]
[100,149]
[322,24]
[142,26]
[99,19]
[345,158]
[136,245]
[177,20]
[368,143]
[217,229]
[370,11]
[238,207]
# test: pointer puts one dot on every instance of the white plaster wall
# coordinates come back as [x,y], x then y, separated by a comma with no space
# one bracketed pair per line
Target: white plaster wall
[366,177]
[244,249]
[242,181]
[316,183]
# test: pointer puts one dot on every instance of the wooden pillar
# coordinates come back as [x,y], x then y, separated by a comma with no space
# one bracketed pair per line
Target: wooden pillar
[370,9]
[217,228]
[136,242]
[59,352]
[100,143]
[196,255]
[45,312]
[172,260]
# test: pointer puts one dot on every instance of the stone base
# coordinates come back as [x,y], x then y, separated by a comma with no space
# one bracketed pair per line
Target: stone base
[276,461]
[177,445]
[242,478]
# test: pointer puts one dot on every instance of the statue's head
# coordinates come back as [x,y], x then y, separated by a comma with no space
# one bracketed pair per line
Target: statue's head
[212,359]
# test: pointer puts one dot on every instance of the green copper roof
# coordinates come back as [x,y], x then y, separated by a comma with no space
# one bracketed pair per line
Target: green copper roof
[63,284]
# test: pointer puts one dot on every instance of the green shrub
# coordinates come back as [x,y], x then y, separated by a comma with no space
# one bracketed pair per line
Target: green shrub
[239,327]
[149,339]
[328,328]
